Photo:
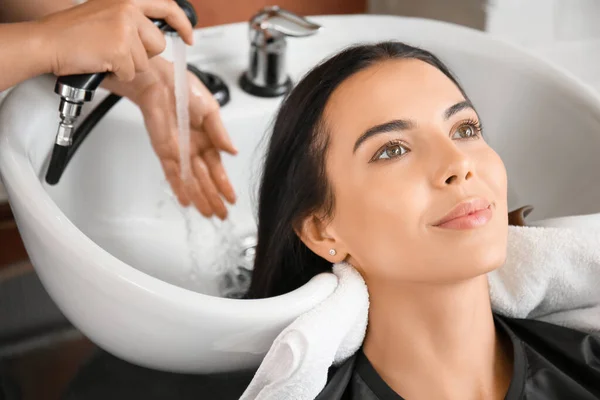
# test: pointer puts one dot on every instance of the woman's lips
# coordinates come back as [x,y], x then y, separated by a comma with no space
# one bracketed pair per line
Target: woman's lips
[467,215]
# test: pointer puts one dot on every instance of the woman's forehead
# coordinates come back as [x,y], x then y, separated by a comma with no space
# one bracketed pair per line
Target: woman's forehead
[391,89]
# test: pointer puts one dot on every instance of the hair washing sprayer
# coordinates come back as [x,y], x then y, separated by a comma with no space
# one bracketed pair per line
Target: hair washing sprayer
[74,91]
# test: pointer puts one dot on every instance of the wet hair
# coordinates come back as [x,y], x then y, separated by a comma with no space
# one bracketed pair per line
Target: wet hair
[294,183]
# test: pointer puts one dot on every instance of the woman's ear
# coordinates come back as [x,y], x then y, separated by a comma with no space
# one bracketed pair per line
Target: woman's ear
[313,233]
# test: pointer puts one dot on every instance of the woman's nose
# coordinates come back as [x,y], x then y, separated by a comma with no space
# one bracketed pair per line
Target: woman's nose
[453,166]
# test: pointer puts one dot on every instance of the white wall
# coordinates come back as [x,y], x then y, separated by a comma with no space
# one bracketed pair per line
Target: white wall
[544,22]
[565,32]
[528,22]
[465,12]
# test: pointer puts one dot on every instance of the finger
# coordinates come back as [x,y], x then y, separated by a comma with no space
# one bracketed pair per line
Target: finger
[173,175]
[124,67]
[219,176]
[200,141]
[139,56]
[160,124]
[204,115]
[172,14]
[152,38]
[210,191]
[172,171]
[198,198]
[214,128]
[160,127]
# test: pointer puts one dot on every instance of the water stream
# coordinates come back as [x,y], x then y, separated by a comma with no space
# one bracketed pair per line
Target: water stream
[216,251]
[182,102]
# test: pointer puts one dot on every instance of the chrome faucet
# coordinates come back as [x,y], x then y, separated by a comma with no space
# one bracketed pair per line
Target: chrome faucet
[266,75]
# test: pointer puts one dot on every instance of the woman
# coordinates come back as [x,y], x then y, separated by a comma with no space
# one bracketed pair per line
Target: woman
[370,155]
[377,158]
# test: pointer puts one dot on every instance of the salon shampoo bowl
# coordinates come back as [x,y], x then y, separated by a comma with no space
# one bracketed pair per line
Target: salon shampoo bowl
[110,244]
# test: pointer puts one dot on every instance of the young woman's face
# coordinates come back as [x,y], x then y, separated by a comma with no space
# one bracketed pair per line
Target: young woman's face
[405,150]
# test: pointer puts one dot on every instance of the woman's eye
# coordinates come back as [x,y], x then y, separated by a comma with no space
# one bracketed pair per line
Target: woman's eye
[392,151]
[466,131]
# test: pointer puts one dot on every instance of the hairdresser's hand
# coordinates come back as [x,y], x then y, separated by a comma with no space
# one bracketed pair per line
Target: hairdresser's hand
[109,36]
[153,91]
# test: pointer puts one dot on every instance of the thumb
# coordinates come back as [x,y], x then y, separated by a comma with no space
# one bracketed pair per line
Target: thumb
[205,116]
[217,133]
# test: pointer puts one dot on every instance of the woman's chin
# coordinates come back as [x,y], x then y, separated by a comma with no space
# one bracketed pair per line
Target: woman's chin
[466,262]
[483,260]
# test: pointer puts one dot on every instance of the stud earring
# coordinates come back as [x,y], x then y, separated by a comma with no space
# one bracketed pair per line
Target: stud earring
[332,252]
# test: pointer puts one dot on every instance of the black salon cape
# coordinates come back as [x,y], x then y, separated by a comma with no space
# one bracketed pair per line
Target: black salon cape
[550,363]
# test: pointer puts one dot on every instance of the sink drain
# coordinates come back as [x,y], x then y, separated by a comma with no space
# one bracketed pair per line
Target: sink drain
[236,282]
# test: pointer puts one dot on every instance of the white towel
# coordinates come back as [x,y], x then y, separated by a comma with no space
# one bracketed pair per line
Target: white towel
[550,274]
[295,368]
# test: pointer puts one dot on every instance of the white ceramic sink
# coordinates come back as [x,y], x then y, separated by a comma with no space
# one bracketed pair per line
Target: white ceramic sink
[110,244]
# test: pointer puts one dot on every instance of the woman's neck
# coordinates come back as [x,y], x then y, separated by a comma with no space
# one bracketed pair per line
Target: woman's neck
[437,341]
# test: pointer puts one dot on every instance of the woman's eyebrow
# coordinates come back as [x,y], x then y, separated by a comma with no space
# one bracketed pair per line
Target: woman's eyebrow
[402,124]
[457,108]
[390,126]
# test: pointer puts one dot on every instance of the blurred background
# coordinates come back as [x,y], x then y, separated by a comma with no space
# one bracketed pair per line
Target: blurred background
[529,22]
[40,349]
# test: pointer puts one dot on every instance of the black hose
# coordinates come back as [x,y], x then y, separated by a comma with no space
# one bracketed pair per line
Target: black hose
[61,155]
[89,123]
[58,162]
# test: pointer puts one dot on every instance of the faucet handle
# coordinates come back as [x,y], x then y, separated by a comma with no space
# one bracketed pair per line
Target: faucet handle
[274,22]
[266,76]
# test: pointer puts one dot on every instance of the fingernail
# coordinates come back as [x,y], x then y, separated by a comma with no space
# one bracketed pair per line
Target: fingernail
[229,147]
[231,196]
